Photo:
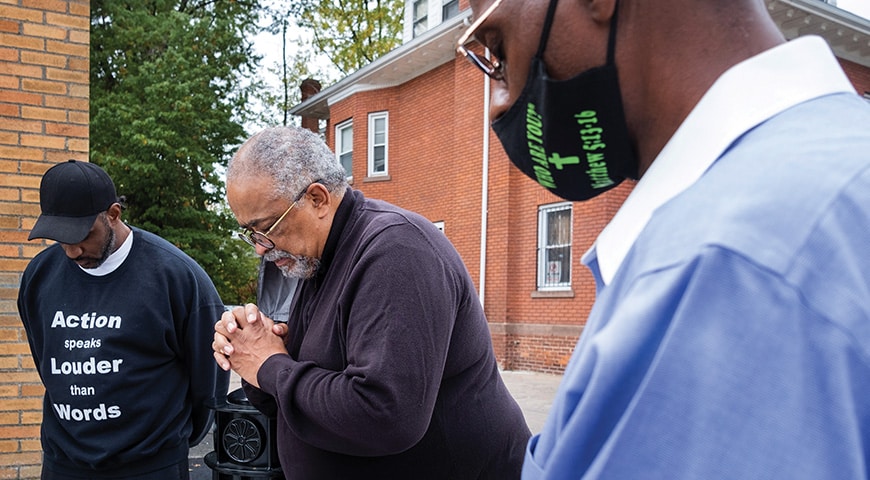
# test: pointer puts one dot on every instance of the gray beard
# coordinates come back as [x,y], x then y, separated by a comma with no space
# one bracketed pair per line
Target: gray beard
[301,267]
[108,247]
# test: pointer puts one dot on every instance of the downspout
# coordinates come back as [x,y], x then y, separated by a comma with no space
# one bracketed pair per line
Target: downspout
[484,194]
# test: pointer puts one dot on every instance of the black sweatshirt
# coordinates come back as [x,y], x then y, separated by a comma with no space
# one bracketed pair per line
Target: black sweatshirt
[126,358]
[391,372]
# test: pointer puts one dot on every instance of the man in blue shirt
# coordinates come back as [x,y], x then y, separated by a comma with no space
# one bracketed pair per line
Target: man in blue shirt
[730,337]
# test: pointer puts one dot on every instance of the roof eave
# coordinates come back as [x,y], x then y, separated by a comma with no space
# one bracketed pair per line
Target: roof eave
[430,50]
[846,33]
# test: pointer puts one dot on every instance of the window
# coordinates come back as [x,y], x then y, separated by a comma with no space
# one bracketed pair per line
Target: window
[554,246]
[420,15]
[377,144]
[344,146]
[449,8]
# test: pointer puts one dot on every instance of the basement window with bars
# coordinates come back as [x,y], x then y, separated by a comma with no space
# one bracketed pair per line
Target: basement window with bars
[555,231]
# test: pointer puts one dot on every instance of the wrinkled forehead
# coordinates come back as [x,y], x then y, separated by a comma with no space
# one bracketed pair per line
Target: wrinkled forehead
[250,192]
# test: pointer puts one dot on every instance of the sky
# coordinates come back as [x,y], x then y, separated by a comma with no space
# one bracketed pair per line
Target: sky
[269,45]
[858,7]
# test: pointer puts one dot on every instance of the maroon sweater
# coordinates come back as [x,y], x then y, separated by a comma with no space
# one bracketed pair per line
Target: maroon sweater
[391,372]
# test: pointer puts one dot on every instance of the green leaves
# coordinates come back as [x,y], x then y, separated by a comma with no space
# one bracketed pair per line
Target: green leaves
[171,83]
[353,33]
[168,99]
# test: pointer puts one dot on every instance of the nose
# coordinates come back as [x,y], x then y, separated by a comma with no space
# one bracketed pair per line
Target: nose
[261,250]
[72,251]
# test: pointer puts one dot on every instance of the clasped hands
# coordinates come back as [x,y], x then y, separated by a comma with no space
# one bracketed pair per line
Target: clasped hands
[244,338]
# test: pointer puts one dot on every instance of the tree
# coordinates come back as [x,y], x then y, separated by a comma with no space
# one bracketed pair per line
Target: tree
[298,61]
[169,97]
[349,33]
[352,33]
[331,39]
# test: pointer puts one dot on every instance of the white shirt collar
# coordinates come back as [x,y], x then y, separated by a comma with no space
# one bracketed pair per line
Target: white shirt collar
[115,259]
[744,96]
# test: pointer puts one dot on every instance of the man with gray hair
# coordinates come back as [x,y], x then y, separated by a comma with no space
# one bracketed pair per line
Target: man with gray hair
[385,368]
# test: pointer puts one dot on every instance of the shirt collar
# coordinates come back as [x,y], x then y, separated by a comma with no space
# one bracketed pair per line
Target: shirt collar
[342,215]
[115,259]
[743,97]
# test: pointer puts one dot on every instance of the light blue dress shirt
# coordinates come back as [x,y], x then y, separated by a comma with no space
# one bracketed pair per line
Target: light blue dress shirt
[730,338]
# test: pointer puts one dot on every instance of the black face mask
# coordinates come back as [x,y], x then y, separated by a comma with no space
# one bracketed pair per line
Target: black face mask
[570,136]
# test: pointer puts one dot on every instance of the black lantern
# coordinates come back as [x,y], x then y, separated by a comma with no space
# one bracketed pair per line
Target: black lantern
[245,442]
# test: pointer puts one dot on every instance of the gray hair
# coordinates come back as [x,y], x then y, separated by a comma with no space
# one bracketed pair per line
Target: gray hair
[294,157]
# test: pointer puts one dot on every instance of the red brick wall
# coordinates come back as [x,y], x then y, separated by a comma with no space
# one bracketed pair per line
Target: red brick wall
[43,120]
[436,129]
[430,169]
[859,75]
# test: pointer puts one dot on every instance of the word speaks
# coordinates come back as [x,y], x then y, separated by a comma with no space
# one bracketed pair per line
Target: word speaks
[85,321]
[83,344]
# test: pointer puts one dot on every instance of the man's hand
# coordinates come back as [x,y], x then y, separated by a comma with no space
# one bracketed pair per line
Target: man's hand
[244,338]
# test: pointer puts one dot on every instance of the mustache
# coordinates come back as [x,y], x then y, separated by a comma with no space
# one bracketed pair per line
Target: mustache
[302,266]
[275,255]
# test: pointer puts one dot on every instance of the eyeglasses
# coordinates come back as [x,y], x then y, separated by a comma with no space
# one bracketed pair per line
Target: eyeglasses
[253,237]
[492,68]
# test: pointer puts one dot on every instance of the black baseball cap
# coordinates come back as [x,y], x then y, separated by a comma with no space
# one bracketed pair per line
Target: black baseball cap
[71,195]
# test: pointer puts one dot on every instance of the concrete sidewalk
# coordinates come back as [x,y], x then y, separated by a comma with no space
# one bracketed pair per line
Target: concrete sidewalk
[533,391]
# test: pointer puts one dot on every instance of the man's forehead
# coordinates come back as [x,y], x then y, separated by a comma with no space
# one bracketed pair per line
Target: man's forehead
[250,193]
[478,7]
[252,180]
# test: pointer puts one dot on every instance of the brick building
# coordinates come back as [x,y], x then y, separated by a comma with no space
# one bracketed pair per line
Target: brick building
[43,120]
[412,129]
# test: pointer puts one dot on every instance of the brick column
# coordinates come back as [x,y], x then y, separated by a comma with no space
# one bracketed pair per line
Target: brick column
[310,87]
[44,51]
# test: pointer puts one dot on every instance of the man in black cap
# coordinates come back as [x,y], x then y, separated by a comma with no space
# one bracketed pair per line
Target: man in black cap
[120,327]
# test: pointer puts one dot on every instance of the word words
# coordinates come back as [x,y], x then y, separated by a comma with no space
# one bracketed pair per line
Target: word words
[100,413]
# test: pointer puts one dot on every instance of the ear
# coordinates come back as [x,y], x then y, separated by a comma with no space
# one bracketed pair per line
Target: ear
[601,10]
[114,212]
[320,198]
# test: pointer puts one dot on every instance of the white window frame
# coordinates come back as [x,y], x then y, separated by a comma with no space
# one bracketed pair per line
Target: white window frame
[340,148]
[547,269]
[372,144]
[446,6]
[419,24]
